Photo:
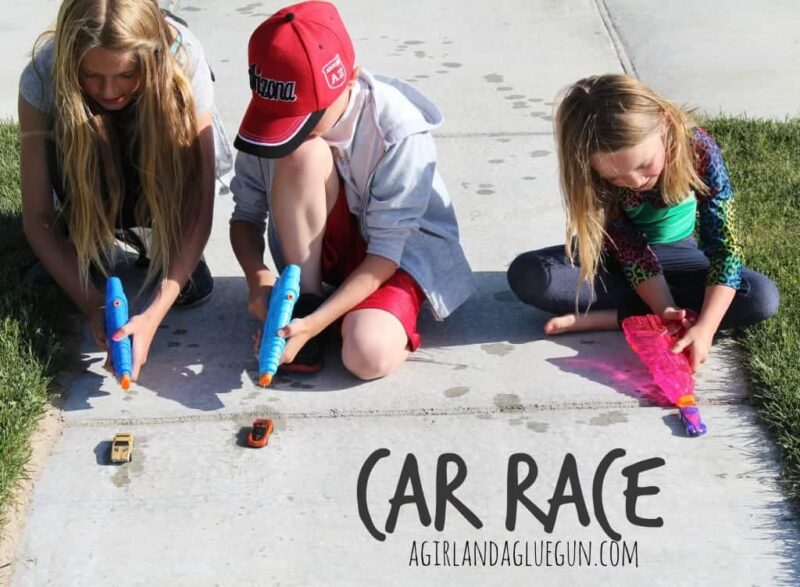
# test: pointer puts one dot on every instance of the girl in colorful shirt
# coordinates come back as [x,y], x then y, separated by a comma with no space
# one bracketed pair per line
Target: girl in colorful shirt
[635,174]
[116,112]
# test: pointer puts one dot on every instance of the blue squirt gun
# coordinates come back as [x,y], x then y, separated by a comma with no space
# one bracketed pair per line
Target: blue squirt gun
[116,311]
[281,304]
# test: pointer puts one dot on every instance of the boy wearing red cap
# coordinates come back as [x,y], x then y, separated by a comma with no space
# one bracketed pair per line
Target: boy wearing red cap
[342,166]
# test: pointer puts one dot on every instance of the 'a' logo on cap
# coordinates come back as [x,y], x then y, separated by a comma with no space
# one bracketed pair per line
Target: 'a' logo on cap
[335,72]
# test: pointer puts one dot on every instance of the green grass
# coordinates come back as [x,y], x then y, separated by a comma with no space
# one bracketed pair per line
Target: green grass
[30,329]
[764,163]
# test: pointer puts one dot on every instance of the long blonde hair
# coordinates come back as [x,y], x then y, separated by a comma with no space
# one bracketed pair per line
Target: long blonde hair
[89,152]
[604,114]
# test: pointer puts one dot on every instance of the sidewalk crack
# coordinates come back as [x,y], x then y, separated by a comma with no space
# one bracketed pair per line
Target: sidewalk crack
[619,47]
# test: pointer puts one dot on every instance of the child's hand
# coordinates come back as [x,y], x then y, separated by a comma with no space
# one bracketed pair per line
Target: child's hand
[142,328]
[97,328]
[677,319]
[698,340]
[258,301]
[297,333]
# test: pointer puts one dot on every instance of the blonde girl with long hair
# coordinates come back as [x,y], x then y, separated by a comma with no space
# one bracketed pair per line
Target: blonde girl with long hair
[115,114]
[636,176]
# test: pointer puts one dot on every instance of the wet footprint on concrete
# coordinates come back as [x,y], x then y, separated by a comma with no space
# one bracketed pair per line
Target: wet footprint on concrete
[539,153]
[456,391]
[500,349]
[507,401]
[609,418]
[537,426]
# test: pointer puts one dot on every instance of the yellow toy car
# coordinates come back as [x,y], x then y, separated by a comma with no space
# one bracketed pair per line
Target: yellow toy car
[122,448]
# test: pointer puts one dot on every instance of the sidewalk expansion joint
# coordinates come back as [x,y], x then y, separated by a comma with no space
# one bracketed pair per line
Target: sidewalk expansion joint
[493,135]
[518,409]
[616,40]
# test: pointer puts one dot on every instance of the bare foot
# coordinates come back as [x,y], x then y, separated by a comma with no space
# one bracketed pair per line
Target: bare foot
[594,320]
[560,324]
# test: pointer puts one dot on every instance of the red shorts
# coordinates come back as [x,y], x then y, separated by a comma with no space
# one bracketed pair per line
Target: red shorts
[343,250]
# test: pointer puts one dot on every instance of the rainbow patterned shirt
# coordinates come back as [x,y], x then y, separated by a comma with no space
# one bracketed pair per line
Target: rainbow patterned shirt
[642,218]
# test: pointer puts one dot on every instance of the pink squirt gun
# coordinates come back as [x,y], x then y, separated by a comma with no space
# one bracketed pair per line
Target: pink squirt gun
[650,339]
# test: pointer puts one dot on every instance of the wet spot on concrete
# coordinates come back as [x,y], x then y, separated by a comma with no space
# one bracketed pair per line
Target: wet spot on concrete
[485,192]
[121,478]
[497,348]
[609,418]
[173,344]
[290,498]
[548,118]
[413,42]
[420,54]
[456,391]
[502,140]
[451,64]
[537,426]
[514,97]
[485,185]
[191,9]
[539,153]
[505,296]
[465,185]
[179,331]
[504,88]
[300,385]
[515,422]
[507,401]
[534,99]
[127,398]
[529,177]
[496,161]
[538,113]
[421,76]
[254,395]
[518,105]
[484,416]
[447,42]
[442,71]
[493,78]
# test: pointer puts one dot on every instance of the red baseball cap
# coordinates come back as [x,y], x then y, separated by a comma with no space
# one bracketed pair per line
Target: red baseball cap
[300,60]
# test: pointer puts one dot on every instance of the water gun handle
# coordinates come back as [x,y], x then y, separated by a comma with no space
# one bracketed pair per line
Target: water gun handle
[650,339]
[116,316]
[281,305]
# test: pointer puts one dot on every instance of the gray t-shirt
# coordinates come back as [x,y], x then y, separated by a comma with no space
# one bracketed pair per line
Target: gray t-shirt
[36,81]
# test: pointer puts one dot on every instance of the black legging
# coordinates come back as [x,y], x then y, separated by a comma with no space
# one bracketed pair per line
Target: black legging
[546,280]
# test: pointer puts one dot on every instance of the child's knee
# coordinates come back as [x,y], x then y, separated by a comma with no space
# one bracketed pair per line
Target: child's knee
[527,276]
[371,353]
[766,298]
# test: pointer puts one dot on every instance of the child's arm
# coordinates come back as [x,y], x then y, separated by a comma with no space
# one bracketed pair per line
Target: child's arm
[183,260]
[52,248]
[718,242]
[641,267]
[399,194]
[248,223]
[363,281]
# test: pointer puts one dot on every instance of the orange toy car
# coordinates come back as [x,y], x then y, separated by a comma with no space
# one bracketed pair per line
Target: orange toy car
[260,433]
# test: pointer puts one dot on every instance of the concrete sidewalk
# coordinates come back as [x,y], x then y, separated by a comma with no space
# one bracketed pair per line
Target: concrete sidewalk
[197,508]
